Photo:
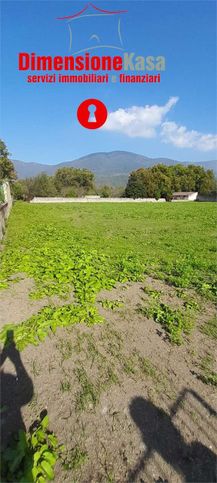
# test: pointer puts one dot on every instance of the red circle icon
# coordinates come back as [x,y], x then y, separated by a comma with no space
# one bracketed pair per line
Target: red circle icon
[92,113]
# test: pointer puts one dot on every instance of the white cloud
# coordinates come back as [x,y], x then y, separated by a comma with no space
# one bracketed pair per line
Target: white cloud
[144,121]
[139,121]
[179,136]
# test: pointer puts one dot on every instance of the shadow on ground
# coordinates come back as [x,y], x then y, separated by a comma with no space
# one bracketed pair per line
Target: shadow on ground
[193,462]
[16,391]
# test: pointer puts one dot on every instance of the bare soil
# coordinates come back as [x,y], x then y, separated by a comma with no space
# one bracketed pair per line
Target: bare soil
[127,404]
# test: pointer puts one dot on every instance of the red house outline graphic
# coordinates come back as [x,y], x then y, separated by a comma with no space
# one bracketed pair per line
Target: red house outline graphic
[96,13]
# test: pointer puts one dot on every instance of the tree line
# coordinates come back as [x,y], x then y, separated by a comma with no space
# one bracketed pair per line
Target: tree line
[158,181]
[67,182]
[162,181]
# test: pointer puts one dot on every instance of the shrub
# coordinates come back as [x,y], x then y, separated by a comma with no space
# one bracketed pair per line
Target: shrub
[31,457]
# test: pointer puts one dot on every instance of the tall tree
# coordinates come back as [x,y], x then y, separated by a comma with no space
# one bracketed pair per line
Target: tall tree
[81,180]
[7,171]
[137,184]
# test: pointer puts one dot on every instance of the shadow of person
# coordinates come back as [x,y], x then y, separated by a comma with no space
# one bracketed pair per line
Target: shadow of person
[16,391]
[194,462]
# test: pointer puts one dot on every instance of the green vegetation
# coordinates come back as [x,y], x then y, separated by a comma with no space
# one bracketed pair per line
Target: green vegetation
[87,249]
[89,394]
[107,364]
[36,328]
[208,375]
[66,182]
[7,171]
[135,364]
[74,459]
[66,179]
[210,328]
[147,368]
[161,181]
[111,304]
[2,198]
[176,238]
[154,294]
[65,348]
[31,456]
[65,386]
[78,183]
[85,272]
[53,244]
[189,302]
[128,364]
[174,321]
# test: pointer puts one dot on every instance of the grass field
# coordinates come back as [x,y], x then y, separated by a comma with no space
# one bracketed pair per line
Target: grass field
[106,303]
[90,248]
[162,231]
[177,237]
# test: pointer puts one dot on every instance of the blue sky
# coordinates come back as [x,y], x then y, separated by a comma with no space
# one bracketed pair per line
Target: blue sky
[39,120]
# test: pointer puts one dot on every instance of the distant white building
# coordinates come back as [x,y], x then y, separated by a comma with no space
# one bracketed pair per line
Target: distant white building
[185,196]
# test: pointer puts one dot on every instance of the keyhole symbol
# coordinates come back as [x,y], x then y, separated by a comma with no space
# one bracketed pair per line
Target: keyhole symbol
[92,111]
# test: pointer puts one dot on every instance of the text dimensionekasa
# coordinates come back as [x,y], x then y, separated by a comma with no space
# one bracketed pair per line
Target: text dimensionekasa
[92,63]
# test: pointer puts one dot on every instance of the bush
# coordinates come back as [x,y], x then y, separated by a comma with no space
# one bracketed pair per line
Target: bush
[19,190]
[31,456]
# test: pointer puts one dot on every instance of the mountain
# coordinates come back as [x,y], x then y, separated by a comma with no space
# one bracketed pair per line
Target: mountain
[27,170]
[111,168]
